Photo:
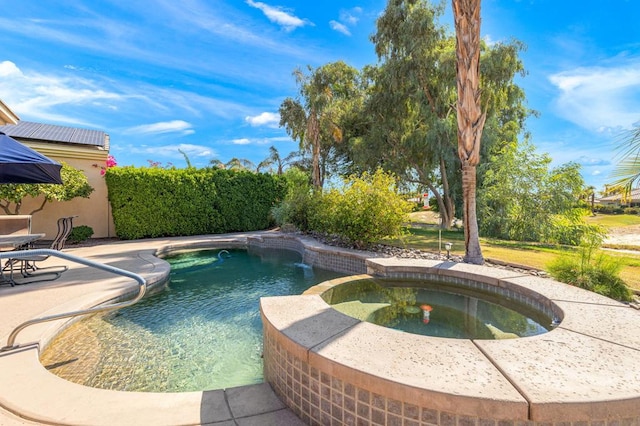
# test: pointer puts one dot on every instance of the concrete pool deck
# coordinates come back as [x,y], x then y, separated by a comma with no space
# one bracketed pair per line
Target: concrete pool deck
[591,360]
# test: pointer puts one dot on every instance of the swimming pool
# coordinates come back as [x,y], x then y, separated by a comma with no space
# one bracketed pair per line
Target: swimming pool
[202,332]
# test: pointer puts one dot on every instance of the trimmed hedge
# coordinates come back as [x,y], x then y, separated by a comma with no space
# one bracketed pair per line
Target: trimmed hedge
[156,202]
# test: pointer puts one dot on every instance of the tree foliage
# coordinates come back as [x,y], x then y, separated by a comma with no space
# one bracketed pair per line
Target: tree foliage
[523,199]
[314,117]
[299,203]
[75,184]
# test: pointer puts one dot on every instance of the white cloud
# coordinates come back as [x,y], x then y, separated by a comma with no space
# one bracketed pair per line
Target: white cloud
[279,16]
[598,98]
[270,119]
[173,126]
[341,28]
[260,141]
[43,97]
[71,98]
[9,69]
[487,39]
[348,18]
[173,151]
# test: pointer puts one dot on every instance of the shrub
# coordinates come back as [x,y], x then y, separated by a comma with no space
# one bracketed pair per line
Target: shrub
[573,230]
[363,211]
[608,209]
[298,202]
[80,234]
[433,203]
[592,270]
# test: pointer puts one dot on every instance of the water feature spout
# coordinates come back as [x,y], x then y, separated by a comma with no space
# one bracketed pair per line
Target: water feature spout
[308,269]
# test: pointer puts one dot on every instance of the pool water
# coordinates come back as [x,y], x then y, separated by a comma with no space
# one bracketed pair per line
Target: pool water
[203,332]
[437,309]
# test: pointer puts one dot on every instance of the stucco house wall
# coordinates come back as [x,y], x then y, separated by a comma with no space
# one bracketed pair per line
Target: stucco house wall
[89,157]
[94,211]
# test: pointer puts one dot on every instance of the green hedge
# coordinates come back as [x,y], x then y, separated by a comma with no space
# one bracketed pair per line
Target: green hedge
[156,202]
[609,209]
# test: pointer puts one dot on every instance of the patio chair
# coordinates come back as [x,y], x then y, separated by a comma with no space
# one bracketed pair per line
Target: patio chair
[29,268]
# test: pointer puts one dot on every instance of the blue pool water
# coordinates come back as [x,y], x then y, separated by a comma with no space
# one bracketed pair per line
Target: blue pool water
[203,332]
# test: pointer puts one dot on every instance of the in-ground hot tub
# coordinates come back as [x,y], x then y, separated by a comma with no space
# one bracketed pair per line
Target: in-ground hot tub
[331,368]
[435,308]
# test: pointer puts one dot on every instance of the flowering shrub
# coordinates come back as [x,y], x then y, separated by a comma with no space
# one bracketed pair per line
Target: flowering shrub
[111,162]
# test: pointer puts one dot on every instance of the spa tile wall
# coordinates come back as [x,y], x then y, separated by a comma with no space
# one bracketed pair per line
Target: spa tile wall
[320,399]
[325,258]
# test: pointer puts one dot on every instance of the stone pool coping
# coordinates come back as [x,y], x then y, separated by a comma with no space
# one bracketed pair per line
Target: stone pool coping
[585,371]
[28,392]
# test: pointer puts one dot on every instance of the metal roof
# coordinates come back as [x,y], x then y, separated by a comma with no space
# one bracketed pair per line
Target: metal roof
[53,133]
[634,195]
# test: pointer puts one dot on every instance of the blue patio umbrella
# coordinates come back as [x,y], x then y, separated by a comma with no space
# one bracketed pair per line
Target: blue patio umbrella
[21,164]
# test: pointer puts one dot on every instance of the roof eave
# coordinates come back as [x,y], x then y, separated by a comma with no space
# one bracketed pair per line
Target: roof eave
[6,115]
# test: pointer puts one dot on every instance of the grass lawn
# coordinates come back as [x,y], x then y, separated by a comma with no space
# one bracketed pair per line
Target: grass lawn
[614,220]
[528,254]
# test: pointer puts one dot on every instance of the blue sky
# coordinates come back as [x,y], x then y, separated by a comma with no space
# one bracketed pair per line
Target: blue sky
[208,76]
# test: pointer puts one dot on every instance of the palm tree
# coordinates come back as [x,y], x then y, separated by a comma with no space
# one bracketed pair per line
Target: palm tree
[628,170]
[471,118]
[274,158]
[313,118]
[216,164]
[240,164]
[233,164]
[589,196]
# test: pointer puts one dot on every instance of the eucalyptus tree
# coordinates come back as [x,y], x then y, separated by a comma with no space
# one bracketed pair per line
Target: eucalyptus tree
[314,117]
[411,101]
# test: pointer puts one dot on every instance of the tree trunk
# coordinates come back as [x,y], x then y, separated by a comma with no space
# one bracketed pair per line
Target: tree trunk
[445,219]
[473,253]
[466,14]
[313,133]
[449,206]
